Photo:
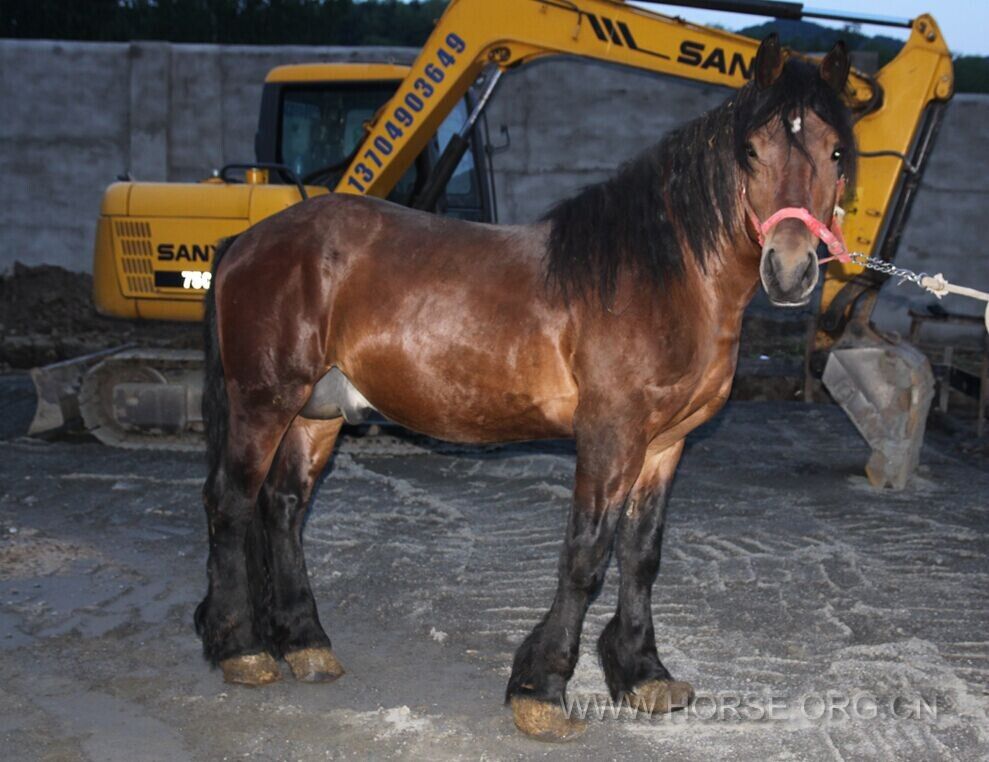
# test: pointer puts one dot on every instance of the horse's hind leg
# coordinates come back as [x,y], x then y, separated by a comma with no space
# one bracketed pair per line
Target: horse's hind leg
[627,645]
[232,636]
[608,461]
[294,628]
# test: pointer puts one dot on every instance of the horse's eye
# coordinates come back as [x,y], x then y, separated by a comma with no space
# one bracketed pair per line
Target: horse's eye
[750,150]
[836,154]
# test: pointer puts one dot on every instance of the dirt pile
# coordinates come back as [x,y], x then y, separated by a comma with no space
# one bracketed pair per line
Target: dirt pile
[47,315]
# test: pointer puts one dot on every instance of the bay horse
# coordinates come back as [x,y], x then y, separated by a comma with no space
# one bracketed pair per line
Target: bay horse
[615,320]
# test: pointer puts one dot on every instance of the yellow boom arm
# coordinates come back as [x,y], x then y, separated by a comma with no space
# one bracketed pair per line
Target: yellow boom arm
[475,33]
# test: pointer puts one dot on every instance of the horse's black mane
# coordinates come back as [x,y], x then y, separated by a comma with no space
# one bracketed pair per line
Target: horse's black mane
[681,194]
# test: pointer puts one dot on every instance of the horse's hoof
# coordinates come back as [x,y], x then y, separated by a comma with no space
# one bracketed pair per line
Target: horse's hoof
[544,721]
[251,669]
[661,696]
[314,665]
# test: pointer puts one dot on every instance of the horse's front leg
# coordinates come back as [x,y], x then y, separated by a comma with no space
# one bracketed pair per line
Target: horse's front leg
[608,461]
[627,646]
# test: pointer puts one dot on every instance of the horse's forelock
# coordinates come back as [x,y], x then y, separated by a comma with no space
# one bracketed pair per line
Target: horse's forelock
[798,91]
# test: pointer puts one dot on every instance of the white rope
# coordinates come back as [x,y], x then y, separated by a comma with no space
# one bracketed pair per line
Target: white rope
[938,286]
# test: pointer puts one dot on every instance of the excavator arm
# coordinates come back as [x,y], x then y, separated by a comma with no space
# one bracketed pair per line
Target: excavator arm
[895,107]
[898,109]
[473,34]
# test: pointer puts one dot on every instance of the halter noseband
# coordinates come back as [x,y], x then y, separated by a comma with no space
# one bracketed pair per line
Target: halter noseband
[829,234]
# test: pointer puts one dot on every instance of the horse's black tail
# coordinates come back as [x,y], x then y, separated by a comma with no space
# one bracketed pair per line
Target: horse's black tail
[215,405]
[216,411]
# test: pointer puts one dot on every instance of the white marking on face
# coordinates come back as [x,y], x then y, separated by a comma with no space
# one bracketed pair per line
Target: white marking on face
[795,125]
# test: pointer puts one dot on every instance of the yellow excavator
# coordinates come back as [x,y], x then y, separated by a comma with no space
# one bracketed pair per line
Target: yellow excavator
[410,134]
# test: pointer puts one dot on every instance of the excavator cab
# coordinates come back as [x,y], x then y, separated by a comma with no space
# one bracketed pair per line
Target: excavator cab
[313,119]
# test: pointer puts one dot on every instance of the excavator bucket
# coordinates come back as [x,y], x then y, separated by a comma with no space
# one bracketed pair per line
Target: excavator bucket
[57,391]
[885,385]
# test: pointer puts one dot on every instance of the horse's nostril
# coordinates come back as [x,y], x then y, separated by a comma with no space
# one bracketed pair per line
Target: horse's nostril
[772,259]
[808,275]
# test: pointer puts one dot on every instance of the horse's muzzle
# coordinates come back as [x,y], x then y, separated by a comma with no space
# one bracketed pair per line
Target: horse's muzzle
[789,280]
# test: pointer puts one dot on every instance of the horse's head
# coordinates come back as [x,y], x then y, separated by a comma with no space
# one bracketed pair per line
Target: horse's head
[794,140]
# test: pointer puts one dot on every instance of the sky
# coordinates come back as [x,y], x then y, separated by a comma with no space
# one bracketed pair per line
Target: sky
[964,23]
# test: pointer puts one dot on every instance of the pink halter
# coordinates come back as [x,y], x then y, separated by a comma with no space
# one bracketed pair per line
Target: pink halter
[830,234]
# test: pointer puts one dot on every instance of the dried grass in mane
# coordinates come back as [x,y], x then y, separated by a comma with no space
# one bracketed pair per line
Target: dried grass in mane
[681,196]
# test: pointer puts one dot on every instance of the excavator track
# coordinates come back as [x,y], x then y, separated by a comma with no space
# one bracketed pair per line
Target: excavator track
[145,399]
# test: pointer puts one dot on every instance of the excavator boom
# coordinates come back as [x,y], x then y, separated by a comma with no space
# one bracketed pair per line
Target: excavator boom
[473,34]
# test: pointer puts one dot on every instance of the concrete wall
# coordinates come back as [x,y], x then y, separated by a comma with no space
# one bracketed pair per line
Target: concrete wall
[571,122]
[76,114]
[946,230]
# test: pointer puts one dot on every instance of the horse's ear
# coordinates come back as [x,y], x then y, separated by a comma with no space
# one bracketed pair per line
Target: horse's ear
[835,67]
[768,62]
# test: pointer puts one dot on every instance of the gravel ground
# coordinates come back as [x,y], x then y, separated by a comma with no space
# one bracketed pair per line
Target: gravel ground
[785,578]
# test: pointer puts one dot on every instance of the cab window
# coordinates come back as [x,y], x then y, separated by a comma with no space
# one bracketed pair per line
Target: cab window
[322,124]
[463,192]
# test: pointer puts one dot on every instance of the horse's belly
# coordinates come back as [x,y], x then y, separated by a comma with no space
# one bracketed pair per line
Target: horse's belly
[491,425]
[453,395]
